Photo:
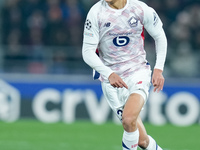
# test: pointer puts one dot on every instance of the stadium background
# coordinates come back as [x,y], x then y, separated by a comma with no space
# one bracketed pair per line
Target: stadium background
[43,76]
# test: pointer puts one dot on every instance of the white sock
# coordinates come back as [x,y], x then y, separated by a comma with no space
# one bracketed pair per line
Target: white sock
[153,145]
[130,140]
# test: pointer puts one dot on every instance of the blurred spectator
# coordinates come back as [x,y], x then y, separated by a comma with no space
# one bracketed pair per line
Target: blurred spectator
[184,62]
[73,15]
[55,35]
[58,64]
[11,19]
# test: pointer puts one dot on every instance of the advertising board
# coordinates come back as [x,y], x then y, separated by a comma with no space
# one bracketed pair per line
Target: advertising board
[51,101]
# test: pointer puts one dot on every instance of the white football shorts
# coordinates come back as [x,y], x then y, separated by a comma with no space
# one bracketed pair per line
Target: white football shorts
[116,97]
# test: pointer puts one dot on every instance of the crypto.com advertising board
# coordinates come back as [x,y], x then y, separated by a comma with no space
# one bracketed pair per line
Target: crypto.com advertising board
[51,101]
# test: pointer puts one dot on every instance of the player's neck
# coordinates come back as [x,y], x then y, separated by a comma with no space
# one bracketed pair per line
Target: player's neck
[117,4]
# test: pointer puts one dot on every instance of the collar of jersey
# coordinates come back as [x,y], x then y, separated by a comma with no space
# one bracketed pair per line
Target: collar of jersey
[118,10]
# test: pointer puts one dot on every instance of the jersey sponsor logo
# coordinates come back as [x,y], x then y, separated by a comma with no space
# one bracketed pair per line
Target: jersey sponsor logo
[120,41]
[133,22]
[121,34]
[88,24]
[107,24]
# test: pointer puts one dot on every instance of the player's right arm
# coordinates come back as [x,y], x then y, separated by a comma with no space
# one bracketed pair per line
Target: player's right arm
[90,43]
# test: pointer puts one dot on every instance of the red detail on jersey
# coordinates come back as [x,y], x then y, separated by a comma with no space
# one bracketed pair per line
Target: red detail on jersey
[97,52]
[142,34]
[140,82]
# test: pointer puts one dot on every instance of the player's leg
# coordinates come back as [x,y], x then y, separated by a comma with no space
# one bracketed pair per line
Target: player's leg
[146,142]
[143,138]
[130,114]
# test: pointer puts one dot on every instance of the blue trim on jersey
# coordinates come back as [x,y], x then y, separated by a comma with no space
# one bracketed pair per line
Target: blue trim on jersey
[156,146]
[123,145]
[147,63]
[96,75]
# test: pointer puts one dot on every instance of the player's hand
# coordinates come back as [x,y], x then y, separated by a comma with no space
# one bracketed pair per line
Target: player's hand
[158,80]
[116,81]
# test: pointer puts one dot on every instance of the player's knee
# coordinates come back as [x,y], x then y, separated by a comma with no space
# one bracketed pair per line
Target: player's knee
[129,123]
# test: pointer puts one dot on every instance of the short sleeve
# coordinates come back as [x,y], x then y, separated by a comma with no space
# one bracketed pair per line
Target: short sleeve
[91,29]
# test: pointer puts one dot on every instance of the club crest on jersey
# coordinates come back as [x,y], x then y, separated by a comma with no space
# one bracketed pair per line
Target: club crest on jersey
[88,24]
[133,22]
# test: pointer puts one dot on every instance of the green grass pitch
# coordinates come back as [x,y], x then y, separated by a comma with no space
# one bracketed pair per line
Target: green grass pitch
[83,135]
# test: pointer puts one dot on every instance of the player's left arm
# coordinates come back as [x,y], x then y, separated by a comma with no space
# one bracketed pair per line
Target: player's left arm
[153,25]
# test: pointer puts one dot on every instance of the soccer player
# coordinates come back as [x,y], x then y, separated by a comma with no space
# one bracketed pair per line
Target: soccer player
[115,28]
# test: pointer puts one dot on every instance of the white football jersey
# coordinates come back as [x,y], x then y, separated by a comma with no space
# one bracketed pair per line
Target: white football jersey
[119,35]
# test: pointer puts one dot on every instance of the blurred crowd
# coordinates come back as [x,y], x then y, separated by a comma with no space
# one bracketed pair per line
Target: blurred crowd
[59,23]
[181,21]
[40,25]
